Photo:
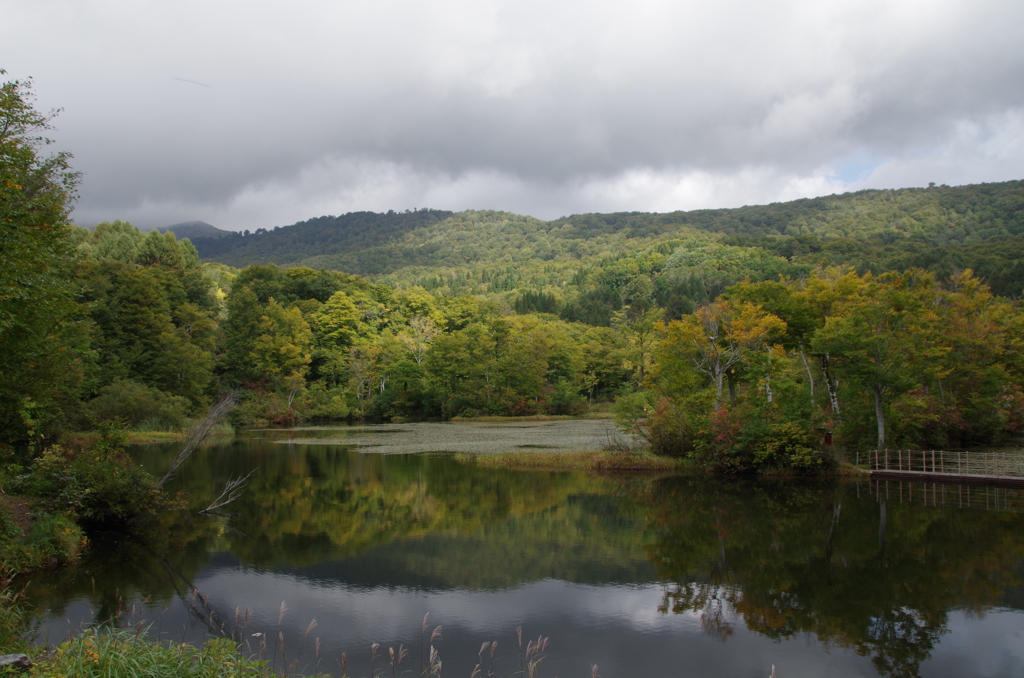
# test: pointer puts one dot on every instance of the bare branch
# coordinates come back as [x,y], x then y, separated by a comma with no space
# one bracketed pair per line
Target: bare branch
[199,433]
[234,489]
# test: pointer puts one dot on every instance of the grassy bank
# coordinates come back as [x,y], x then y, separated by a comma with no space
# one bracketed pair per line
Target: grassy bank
[122,653]
[597,460]
[31,539]
[83,440]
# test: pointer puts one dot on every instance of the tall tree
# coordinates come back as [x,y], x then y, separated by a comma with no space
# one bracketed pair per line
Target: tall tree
[40,349]
[886,340]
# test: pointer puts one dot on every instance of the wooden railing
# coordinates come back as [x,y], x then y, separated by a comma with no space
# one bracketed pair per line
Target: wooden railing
[989,464]
[945,494]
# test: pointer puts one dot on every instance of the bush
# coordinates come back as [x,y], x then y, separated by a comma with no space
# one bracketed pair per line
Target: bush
[322,402]
[632,411]
[101,484]
[791,447]
[724,446]
[565,399]
[55,538]
[9,530]
[678,428]
[138,406]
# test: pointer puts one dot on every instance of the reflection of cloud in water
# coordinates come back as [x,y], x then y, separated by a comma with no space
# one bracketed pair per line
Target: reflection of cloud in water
[617,627]
[979,647]
[482,438]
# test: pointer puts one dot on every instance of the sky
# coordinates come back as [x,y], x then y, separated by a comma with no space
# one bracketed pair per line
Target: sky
[258,114]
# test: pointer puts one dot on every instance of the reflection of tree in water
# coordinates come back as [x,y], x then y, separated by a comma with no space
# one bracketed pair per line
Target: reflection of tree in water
[419,518]
[900,639]
[790,558]
[712,601]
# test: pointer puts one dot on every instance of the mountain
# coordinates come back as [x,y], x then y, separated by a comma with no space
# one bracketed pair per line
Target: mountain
[195,229]
[940,228]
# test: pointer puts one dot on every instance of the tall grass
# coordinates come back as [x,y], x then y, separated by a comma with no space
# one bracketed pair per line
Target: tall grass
[126,653]
[12,619]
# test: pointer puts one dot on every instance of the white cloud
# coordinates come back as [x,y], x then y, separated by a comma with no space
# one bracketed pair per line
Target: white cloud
[538,107]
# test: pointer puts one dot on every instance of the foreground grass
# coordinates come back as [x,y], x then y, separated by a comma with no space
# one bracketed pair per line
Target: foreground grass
[596,460]
[123,653]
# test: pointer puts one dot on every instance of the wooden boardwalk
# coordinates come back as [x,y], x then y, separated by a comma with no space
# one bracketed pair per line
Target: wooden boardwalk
[991,469]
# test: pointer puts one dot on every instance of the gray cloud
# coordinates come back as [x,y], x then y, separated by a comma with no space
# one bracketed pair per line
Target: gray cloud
[256,114]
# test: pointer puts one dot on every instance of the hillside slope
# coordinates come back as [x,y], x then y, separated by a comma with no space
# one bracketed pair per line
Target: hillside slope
[941,228]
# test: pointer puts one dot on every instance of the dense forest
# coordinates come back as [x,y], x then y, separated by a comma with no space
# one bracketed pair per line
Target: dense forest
[738,338]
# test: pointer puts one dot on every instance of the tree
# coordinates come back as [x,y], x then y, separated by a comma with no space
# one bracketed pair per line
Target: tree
[40,362]
[718,337]
[887,340]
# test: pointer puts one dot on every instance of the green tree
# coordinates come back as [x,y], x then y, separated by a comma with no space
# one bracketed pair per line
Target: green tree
[887,339]
[43,348]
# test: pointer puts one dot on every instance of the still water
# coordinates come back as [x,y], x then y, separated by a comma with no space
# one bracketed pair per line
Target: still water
[643,576]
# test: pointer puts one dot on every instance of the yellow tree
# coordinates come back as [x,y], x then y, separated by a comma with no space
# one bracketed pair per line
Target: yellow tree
[282,350]
[717,337]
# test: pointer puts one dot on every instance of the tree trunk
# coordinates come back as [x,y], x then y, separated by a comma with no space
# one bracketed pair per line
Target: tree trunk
[810,375]
[732,387]
[718,389]
[880,417]
[830,385]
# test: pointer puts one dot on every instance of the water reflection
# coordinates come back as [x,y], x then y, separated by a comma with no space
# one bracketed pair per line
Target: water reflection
[681,575]
[869,574]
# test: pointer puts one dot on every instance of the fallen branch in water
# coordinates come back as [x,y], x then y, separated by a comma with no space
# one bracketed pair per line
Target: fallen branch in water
[199,433]
[234,489]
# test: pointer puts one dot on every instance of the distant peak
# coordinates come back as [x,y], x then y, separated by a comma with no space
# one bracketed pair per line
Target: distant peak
[195,229]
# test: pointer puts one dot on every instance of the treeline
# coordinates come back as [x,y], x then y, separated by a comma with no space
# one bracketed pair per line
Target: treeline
[313,344]
[147,336]
[763,376]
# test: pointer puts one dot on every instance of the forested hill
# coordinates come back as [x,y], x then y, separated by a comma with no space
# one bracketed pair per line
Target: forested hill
[341,237]
[940,228]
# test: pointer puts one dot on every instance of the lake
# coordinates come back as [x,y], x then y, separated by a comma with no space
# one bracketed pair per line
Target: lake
[365,529]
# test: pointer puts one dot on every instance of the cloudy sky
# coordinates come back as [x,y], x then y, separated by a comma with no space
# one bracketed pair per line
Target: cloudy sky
[250,114]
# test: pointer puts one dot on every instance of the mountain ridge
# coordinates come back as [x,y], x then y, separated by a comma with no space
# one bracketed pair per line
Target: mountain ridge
[940,228]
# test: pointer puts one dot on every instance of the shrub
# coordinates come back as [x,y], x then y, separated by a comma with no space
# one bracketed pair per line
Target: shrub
[632,411]
[101,484]
[724,447]
[322,402]
[9,530]
[54,538]
[675,428]
[791,446]
[565,399]
[138,406]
